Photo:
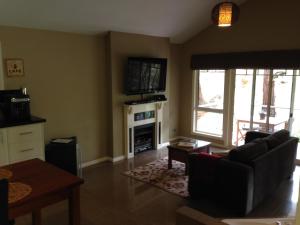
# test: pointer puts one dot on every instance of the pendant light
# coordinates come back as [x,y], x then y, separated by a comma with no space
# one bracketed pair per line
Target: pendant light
[225,14]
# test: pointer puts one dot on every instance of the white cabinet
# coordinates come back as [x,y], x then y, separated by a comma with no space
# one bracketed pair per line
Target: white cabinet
[3,147]
[21,143]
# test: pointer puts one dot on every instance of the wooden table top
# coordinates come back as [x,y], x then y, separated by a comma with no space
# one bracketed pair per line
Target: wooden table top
[43,178]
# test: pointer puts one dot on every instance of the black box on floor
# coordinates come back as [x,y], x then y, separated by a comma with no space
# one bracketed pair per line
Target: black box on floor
[62,152]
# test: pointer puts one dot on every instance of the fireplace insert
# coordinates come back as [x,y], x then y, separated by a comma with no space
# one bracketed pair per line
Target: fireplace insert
[144,137]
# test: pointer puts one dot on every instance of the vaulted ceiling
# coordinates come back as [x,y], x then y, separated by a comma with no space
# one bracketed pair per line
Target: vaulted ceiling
[177,19]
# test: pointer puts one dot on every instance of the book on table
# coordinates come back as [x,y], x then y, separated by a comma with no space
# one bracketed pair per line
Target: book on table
[186,144]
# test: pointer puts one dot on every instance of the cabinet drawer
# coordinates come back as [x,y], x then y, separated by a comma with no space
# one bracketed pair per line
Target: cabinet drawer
[24,151]
[22,134]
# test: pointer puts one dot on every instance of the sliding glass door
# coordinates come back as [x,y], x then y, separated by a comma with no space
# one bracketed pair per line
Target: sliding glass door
[264,101]
[242,104]
[227,104]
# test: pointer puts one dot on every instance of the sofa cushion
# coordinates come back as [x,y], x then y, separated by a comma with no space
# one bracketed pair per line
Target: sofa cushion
[277,138]
[246,153]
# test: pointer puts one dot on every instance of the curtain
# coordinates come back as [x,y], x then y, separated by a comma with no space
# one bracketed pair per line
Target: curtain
[277,59]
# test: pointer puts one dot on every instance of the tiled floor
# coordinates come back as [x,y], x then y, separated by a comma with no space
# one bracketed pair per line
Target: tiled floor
[110,198]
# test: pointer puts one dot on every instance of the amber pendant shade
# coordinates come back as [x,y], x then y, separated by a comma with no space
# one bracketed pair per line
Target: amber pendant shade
[225,14]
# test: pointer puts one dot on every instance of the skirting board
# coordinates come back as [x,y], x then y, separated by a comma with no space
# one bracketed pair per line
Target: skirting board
[110,159]
[163,145]
[93,162]
[103,159]
[117,159]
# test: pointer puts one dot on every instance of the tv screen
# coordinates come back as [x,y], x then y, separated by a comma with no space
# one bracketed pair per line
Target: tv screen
[145,75]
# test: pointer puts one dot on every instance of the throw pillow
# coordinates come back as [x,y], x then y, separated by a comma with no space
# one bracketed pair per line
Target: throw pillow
[277,138]
[246,153]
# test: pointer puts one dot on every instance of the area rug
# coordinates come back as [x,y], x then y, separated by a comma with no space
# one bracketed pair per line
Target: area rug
[158,174]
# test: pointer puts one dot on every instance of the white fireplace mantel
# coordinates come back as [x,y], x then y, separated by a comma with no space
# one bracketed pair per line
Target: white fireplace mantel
[130,122]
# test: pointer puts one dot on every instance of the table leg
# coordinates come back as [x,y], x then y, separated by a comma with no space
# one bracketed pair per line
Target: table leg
[37,217]
[186,168]
[170,160]
[74,207]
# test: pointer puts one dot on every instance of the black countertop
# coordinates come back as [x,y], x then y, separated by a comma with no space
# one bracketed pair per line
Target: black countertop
[32,120]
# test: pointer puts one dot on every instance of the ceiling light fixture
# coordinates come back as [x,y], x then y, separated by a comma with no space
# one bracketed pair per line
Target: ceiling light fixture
[225,14]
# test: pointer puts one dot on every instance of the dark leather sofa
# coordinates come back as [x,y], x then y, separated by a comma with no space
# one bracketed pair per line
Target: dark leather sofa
[248,175]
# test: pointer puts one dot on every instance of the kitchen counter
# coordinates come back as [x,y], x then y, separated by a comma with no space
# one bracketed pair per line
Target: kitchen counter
[32,120]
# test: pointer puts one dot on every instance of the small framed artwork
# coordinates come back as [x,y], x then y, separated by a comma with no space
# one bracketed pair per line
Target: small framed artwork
[14,67]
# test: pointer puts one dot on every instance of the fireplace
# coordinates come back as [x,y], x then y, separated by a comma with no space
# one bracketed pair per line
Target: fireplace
[144,137]
[143,125]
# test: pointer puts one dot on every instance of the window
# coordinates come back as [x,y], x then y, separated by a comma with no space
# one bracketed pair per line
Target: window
[209,102]
[264,101]
[227,104]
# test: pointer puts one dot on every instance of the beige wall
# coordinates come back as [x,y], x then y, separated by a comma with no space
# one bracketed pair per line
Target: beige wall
[263,25]
[65,77]
[1,70]
[122,46]
[76,83]
[174,94]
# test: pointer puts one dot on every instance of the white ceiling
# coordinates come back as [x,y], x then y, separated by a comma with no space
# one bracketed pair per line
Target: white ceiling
[177,19]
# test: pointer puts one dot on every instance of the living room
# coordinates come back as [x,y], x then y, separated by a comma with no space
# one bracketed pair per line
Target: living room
[75,82]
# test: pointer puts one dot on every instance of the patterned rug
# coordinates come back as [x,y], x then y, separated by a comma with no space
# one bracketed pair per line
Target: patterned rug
[157,174]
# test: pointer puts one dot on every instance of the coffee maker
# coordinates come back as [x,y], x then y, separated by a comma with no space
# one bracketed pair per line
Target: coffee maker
[14,105]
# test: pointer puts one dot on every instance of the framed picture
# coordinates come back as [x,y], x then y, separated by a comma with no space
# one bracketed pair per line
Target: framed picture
[14,67]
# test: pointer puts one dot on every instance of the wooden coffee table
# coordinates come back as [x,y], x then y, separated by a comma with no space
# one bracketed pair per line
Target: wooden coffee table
[49,185]
[181,153]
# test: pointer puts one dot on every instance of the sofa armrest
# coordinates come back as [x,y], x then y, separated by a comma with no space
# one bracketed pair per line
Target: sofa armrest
[251,135]
[201,171]
[188,216]
[279,161]
[236,183]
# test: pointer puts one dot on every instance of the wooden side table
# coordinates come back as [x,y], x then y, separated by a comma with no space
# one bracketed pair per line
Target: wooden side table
[181,153]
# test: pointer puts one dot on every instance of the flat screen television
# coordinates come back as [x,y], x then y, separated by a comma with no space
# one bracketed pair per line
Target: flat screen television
[145,75]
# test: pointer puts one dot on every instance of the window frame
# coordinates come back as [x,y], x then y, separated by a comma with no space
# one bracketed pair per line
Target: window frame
[228,107]
[196,107]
